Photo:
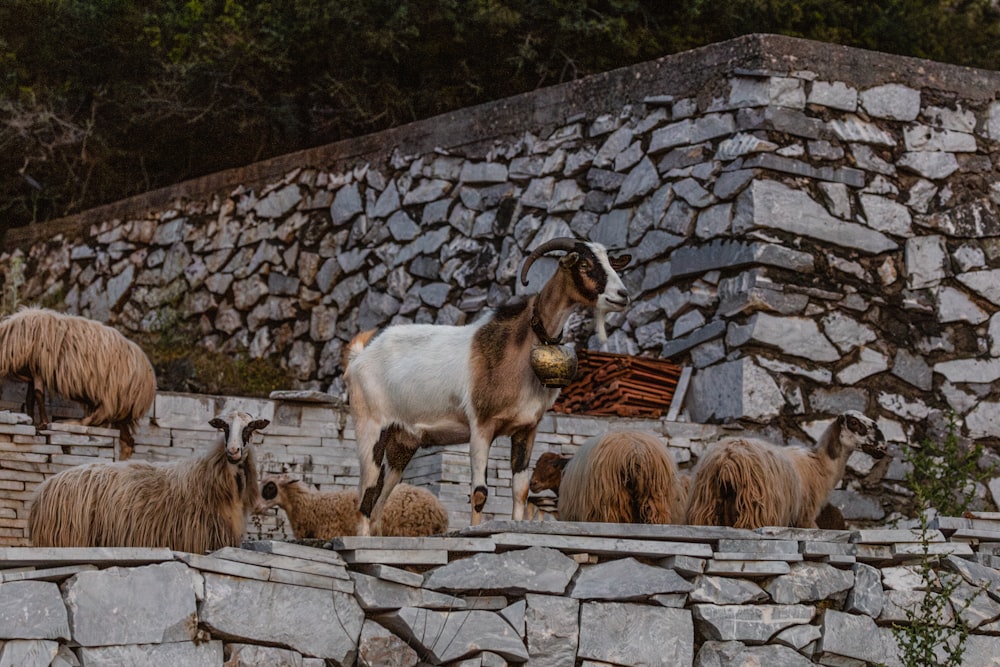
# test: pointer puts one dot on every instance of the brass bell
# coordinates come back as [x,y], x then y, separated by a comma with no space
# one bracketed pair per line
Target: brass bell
[554,365]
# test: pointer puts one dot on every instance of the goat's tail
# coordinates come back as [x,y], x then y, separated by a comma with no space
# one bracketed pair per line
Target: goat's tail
[354,348]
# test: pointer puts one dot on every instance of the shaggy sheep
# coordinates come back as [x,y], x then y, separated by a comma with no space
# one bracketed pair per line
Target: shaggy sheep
[409,512]
[195,505]
[81,360]
[413,385]
[748,483]
[619,477]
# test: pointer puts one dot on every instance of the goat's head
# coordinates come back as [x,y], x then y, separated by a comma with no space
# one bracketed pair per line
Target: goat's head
[548,472]
[237,428]
[860,432]
[593,275]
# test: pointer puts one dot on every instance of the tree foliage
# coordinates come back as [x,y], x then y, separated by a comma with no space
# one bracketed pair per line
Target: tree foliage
[102,99]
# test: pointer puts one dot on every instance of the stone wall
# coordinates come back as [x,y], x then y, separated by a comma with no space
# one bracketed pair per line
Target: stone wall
[814,229]
[505,593]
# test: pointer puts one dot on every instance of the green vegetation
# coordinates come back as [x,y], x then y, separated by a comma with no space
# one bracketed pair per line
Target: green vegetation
[941,478]
[182,364]
[102,99]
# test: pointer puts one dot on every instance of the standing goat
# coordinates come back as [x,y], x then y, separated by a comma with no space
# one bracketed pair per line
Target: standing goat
[416,385]
[195,505]
[748,483]
[619,477]
[81,360]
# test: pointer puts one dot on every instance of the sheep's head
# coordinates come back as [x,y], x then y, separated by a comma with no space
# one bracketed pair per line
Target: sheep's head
[237,428]
[593,275]
[548,472]
[859,432]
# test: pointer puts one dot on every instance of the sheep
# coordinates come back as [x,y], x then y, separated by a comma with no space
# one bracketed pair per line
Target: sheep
[81,360]
[409,512]
[413,385]
[748,483]
[619,477]
[195,505]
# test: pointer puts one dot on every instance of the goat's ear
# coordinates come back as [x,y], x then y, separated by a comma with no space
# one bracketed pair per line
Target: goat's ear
[259,424]
[560,463]
[620,262]
[218,423]
[269,491]
[569,260]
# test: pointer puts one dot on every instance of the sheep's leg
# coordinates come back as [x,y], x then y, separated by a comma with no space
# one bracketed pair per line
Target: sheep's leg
[36,395]
[479,454]
[521,444]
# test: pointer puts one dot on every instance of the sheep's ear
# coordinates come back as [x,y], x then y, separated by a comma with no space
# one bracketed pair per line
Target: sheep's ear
[218,423]
[620,262]
[269,491]
[259,424]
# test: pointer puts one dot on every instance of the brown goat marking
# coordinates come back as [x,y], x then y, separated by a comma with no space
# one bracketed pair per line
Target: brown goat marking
[520,454]
[372,493]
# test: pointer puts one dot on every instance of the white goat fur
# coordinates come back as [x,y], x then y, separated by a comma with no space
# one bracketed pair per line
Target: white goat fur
[420,384]
[410,511]
[749,483]
[196,505]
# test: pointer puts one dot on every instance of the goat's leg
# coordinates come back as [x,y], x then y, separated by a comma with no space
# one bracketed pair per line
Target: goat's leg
[399,449]
[479,454]
[521,444]
[370,482]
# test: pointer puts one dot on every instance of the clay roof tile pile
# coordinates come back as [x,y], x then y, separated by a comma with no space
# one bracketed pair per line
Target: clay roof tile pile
[619,384]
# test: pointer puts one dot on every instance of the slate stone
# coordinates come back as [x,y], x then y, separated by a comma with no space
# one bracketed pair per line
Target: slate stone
[932,165]
[378,647]
[755,624]
[850,636]
[866,597]
[798,637]
[732,389]
[27,652]
[973,219]
[346,204]
[642,180]
[140,605]
[279,202]
[809,582]
[189,654]
[631,634]
[983,283]
[795,336]
[33,610]
[250,655]
[736,654]
[892,100]
[446,636]
[312,621]
[626,579]
[552,629]
[726,590]
[374,594]
[532,570]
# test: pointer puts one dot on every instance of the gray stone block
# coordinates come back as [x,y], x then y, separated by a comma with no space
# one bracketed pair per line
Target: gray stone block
[736,654]
[28,652]
[749,623]
[378,647]
[809,582]
[632,634]
[552,630]
[189,654]
[535,570]
[626,579]
[447,636]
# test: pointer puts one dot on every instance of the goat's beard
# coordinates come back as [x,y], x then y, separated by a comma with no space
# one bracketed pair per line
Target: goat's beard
[599,314]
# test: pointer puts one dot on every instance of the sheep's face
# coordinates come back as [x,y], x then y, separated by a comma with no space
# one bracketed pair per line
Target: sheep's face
[237,428]
[859,432]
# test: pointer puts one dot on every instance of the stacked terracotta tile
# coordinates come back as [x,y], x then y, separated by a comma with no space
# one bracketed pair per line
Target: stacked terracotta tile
[619,384]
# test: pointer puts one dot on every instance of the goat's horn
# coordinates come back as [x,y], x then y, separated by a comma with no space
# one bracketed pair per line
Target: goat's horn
[561,243]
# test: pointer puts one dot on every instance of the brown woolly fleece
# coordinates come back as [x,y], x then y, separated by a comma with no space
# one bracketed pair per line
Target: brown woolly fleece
[622,477]
[409,512]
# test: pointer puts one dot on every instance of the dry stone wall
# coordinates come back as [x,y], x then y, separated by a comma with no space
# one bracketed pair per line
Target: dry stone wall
[503,594]
[815,228]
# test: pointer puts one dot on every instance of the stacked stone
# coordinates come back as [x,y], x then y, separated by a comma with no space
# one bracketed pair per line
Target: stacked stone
[505,593]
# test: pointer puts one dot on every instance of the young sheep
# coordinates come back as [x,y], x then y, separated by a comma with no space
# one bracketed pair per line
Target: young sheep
[409,512]
[196,505]
[416,385]
[748,483]
[619,477]
[81,360]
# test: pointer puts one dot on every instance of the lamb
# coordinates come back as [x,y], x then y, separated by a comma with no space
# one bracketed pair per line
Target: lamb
[410,511]
[81,360]
[619,477]
[413,385]
[748,483]
[196,505]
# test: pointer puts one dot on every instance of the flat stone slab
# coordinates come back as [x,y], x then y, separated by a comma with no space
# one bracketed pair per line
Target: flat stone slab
[668,532]
[531,570]
[749,623]
[375,594]
[276,561]
[747,568]
[447,636]
[624,633]
[294,550]
[461,544]
[46,574]
[33,610]
[606,546]
[626,579]
[53,556]
[189,654]
[320,397]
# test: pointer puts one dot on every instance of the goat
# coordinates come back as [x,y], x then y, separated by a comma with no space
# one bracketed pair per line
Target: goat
[196,505]
[415,385]
[619,477]
[410,511]
[82,360]
[747,483]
